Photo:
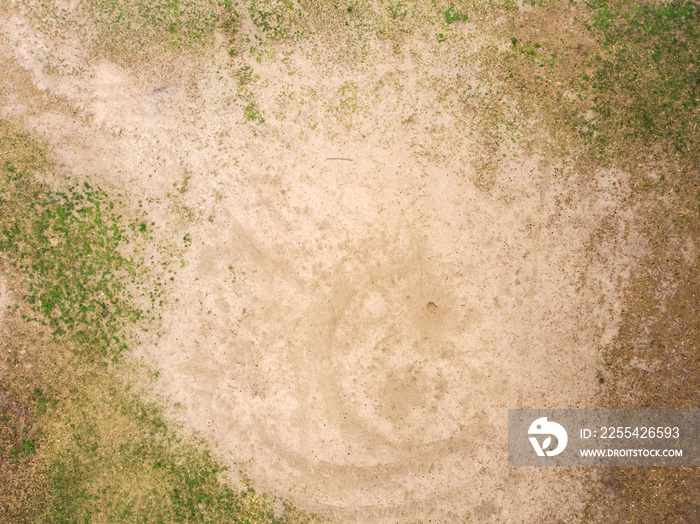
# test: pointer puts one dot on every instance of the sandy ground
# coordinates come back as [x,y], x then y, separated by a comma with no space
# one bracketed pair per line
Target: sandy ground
[355,314]
[4,298]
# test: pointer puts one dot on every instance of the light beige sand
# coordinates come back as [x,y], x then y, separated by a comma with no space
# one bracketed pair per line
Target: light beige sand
[351,333]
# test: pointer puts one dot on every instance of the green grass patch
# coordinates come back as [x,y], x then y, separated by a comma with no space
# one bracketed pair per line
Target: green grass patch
[78,442]
[230,24]
[66,246]
[619,78]
[646,87]
[452,15]
[252,112]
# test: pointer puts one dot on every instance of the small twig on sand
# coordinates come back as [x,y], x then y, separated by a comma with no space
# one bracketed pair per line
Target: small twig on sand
[6,152]
[336,158]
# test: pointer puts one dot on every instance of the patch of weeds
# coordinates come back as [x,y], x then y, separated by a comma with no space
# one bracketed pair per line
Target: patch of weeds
[646,86]
[251,112]
[397,11]
[185,213]
[244,76]
[181,23]
[349,97]
[25,402]
[230,24]
[232,274]
[66,245]
[184,187]
[245,80]
[614,77]
[394,27]
[20,412]
[509,6]
[277,19]
[348,104]
[344,29]
[452,15]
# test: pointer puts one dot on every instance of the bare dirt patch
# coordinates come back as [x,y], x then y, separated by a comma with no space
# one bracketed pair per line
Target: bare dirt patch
[355,309]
